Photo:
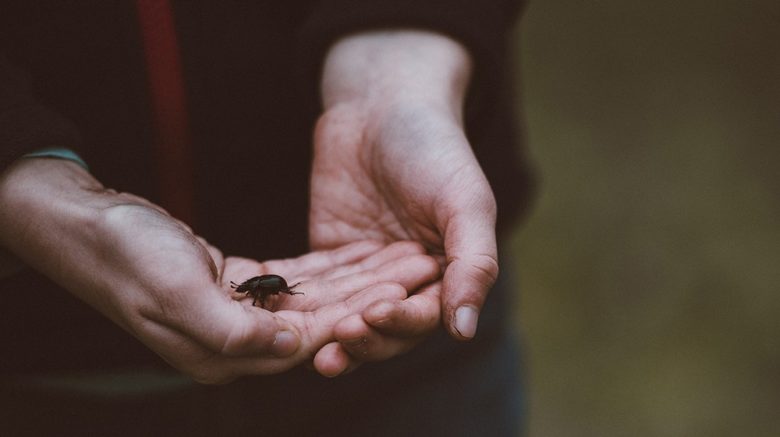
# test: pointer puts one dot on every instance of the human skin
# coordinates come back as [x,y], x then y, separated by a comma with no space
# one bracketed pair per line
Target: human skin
[392,162]
[149,273]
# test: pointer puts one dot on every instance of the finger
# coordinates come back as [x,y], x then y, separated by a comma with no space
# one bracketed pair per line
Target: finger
[298,269]
[316,327]
[315,263]
[414,316]
[472,268]
[219,369]
[246,350]
[364,343]
[333,360]
[330,360]
[228,328]
[390,253]
[316,330]
[189,357]
[390,328]
[411,272]
[195,358]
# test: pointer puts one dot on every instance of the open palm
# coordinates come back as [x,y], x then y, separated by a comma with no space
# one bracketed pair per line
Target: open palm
[194,320]
[407,175]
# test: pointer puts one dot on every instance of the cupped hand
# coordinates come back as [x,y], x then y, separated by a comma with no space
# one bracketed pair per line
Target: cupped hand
[150,274]
[392,162]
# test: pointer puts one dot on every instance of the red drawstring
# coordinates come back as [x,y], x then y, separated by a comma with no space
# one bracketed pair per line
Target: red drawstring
[169,108]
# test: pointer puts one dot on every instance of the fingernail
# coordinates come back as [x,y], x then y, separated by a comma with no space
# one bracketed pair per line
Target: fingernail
[357,345]
[355,342]
[466,321]
[285,344]
[381,323]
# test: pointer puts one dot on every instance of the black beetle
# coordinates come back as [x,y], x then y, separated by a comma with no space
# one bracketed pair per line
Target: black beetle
[260,287]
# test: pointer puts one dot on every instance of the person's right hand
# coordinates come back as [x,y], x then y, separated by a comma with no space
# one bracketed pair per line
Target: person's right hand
[151,275]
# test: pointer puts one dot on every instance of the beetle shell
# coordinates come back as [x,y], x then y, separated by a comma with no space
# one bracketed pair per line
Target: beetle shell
[260,287]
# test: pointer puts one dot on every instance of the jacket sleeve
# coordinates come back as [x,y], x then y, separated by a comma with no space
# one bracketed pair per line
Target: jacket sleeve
[27,125]
[481,26]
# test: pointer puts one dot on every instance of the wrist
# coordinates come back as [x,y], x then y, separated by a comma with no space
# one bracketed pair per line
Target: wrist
[385,69]
[43,201]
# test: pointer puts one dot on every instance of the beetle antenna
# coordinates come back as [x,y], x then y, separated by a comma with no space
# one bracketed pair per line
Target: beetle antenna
[233,284]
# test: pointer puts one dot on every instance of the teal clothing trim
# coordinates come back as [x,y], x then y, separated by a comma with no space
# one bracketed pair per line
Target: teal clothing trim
[58,153]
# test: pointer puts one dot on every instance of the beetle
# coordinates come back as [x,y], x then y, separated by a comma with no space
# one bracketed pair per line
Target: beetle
[260,287]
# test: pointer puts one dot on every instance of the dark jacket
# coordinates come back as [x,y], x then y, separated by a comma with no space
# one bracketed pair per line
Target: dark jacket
[72,74]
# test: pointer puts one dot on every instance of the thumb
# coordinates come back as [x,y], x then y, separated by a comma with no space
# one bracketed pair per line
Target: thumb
[472,268]
[228,328]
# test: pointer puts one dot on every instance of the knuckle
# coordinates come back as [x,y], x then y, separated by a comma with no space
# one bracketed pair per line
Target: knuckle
[487,266]
[480,268]
[392,290]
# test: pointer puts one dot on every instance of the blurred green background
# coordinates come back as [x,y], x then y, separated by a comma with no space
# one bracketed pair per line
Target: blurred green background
[650,267]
